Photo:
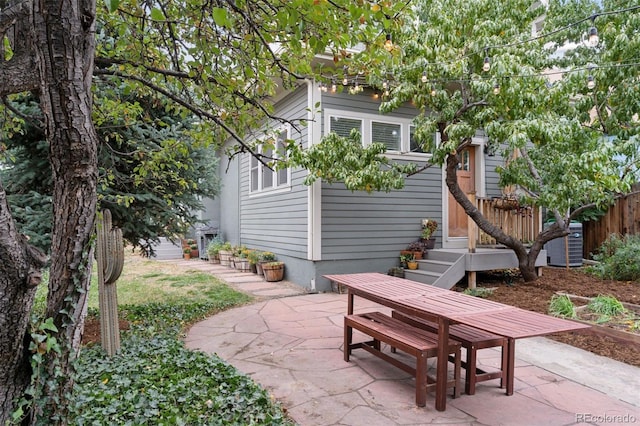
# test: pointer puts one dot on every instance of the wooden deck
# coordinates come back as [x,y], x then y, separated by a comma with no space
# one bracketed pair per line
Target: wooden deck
[445,267]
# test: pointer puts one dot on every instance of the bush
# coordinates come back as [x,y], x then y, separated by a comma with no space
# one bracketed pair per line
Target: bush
[562,306]
[619,259]
[159,381]
[155,380]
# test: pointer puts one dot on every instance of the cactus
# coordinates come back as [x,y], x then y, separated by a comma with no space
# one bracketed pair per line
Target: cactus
[110,255]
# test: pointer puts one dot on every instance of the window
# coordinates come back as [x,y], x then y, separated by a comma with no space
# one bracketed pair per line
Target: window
[262,178]
[395,133]
[387,133]
[414,146]
[342,126]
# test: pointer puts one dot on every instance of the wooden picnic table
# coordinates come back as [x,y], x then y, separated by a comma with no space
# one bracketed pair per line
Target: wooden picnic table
[446,307]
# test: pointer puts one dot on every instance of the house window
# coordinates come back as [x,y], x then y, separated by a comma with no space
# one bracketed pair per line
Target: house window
[414,145]
[342,126]
[264,178]
[387,133]
[395,133]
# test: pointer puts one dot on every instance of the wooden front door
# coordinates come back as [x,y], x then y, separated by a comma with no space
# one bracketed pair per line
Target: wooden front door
[466,180]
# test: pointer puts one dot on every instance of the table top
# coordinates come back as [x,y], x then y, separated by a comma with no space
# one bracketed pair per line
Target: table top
[418,298]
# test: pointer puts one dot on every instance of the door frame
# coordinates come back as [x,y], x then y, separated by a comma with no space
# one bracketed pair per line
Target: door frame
[477,144]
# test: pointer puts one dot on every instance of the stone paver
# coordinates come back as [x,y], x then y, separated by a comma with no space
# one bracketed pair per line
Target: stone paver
[291,342]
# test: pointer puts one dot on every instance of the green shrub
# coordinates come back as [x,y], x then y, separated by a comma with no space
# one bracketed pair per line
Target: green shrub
[606,307]
[155,381]
[562,306]
[619,259]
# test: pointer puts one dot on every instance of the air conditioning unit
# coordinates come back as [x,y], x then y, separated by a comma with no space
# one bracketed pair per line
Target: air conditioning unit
[566,251]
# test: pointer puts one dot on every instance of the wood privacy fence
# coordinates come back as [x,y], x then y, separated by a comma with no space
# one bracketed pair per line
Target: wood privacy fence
[622,218]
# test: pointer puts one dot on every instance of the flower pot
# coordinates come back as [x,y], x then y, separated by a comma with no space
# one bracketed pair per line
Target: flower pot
[225,257]
[429,243]
[259,269]
[253,267]
[273,271]
[242,264]
[186,256]
[412,265]
[214,258]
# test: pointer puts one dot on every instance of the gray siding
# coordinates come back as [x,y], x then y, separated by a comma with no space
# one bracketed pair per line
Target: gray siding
[365,232]
[278,221]
[229,216]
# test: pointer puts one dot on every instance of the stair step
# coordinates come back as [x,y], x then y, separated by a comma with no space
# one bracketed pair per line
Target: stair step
[421,276]
[439,266]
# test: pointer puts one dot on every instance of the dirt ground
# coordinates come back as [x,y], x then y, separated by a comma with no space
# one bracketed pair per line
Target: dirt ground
[512,290]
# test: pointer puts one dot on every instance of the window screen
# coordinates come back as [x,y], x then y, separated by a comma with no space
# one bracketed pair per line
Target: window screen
[387,133]
[414,145]
[343,126]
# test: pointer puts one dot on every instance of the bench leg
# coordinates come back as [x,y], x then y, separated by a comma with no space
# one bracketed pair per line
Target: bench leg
[456,373]
[421,379]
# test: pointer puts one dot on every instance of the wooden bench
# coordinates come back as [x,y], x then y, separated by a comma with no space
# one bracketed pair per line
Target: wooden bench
[472,339]
[420,343]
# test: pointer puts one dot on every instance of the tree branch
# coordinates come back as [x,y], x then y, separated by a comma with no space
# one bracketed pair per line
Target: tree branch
[467,107]
[13,78]
[197,111]
[104,63]
[35,121]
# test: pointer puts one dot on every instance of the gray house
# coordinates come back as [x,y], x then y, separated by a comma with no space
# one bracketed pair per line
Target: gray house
[327,229]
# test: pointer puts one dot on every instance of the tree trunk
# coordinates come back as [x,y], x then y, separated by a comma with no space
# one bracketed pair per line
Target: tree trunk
[59,38]
[526,258]
[527,266]
[65,47]
[19,277]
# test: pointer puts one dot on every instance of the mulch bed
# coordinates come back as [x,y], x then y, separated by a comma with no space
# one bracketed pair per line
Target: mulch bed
[537,295]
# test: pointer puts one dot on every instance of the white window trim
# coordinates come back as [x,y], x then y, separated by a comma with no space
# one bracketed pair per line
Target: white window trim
[276,189]
[367,119]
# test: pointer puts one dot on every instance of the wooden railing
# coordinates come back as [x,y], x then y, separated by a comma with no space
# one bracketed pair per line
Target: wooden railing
[523,223]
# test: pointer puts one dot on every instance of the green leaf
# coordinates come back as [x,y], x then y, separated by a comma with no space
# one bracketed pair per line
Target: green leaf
[112,5]
[157,15]
[49,325]
[220,16]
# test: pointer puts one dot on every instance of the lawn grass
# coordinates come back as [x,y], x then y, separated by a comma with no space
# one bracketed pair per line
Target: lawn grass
[154,379]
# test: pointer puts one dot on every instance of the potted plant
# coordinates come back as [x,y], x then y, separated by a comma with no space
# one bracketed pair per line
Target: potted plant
[273,271]
[265,256]
[241,259]
[186,253]
[254,258]
[429,227]
[195,253]
[225,253]
[416,248]
[405,258]
[213,249]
